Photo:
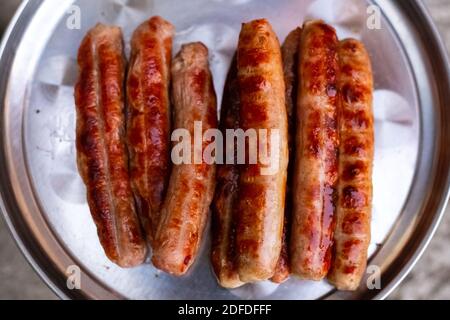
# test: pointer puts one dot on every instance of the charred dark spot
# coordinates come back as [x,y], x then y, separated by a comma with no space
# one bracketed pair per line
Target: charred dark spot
[199,79]
[136,137]
[329,206]
[133,87]
[211,118]
[253,113]
[353,170]
[349,269]
[352,198]
[253,170]
[330,123]
[352,93]
[351,248]
[253,84]
[314,134]
[247,245]
[350,45]
[199,187]
[253,57]
[356,120]
[354,147]
[353,223]
[187,260]
[150,43]
[331,90]
[154,104]
[315,81]
[327,29]
[251,191]
[347,70]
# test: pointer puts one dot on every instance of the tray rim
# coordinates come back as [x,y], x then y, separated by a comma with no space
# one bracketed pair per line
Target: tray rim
[55,284]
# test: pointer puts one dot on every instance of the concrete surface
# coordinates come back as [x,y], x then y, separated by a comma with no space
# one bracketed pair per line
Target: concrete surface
[430,279]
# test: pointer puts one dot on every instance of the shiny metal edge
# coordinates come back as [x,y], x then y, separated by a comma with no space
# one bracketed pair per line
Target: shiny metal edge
[406,244]
[50,270]
[430,29]
[26,10]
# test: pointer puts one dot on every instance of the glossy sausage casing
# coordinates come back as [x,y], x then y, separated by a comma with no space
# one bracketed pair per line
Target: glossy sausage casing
[191,187]
[223,253]
[101,151]
[289,52]
[352,234]
[315,172]
[261,195]
[149,117]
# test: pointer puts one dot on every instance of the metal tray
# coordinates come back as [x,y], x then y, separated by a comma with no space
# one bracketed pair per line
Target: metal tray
[43,198]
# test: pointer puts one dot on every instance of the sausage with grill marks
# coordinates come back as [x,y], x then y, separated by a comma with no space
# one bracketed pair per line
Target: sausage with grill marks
[149,117]
[352,234]
[316,165]
[223,254]
[261,199]
[100,141]
[191,187]
[289,52]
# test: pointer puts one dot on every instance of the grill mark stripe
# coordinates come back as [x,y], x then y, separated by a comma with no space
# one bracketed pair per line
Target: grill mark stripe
[100,110]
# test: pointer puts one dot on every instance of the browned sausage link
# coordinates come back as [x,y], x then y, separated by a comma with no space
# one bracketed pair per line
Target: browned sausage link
[283,269]
[261,196]
[352,235]
[191,186]
[148,129]
[289,52]
[223,253]
[101,152]
[315,172]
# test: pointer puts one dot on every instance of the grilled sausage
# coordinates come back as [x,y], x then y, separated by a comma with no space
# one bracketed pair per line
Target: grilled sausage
[352,234]
[289,52]
[260,206]
[101,151]
[290,55]
[191,187]
[223,254]
[315,172]
[149,117]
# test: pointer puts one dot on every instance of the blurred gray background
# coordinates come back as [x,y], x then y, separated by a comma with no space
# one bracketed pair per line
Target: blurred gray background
[430,279]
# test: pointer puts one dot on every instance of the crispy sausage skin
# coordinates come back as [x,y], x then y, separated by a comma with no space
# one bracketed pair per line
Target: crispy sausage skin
[191,187]
[223,254]
[149,117]
[289,52]
[352,233]
[316,171]
[261,200]
[101,151]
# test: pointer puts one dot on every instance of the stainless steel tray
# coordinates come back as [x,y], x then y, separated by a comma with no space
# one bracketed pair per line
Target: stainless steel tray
[43,198]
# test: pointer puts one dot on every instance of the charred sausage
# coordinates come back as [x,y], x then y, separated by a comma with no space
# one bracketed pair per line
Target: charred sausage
[352,234]
[261,199]
[223,254]
[316,166]
[289,51]
[191,187]
[149,117]
[100,141]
